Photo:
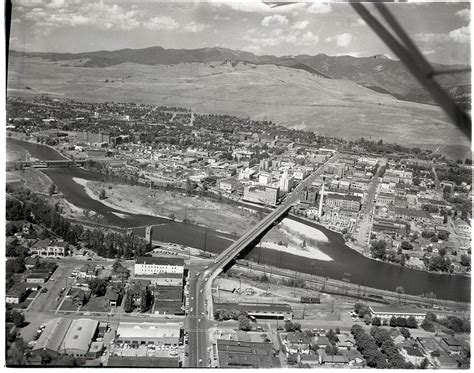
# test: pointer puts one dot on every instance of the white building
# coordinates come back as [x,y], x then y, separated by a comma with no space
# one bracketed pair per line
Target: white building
[149,266]
[287,183]
[264,178]
[157,334]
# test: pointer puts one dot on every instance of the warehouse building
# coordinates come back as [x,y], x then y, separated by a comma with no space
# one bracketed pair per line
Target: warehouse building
[157,334]
[149,266]
[79,337]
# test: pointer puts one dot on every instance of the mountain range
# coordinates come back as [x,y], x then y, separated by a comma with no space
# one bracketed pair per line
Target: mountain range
[378,73]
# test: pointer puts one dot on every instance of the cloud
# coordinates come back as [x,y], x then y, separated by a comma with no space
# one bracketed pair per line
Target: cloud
[343,40]
[30,3]
[97,15]
[309,39]
[428,52]
[358,22]
[319,8]
[254,6]
[161,23]
[464,14]
[301,25]
[221,18]
[275,20]
[461,35]
[195,27]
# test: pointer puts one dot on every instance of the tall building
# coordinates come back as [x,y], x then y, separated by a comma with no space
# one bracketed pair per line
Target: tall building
[286,183]
[261,194]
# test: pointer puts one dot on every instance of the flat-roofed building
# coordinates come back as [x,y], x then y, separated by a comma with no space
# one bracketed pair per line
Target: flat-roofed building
[149,266]
[79,337]
[386,313]
[345,202]
[261,194]
[239,354]
[49,342]
[228,185]
[147,333]
[260,310]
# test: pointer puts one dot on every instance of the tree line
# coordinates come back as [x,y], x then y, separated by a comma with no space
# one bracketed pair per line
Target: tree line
[25,205]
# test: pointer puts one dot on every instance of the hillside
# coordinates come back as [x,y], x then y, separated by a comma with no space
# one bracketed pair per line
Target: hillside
[378,72]
[291,97]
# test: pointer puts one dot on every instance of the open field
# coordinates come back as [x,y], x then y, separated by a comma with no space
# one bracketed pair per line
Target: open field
[197,210]
[293,98]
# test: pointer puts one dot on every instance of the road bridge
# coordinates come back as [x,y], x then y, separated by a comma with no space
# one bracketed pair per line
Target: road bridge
[201,304]
[46,164]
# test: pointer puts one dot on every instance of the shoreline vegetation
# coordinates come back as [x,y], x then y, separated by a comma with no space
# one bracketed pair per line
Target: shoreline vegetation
[295,238]
[271,242]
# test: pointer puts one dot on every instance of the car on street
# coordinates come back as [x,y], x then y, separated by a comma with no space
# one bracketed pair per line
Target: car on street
[200,291]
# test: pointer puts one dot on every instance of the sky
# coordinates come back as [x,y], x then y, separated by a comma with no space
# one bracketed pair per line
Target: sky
[440,30]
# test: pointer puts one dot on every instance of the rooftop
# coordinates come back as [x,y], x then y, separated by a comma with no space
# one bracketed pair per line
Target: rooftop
[53,335]
[170,261]
[148,330]
[395,310]
[80,334]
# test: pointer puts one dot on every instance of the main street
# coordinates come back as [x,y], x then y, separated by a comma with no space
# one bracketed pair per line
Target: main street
[201,307]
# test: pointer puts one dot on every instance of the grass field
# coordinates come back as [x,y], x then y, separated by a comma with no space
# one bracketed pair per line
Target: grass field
[293,98]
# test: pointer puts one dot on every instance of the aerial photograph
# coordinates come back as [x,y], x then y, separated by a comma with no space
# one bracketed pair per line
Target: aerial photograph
[237,184]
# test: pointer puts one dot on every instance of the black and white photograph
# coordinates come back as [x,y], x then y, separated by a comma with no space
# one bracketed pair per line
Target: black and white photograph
[237,184]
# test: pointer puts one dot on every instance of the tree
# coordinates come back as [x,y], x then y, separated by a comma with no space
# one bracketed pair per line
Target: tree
[411,322]
[64,361]
[393,321]
[401,321]
[98,286]
[442,251]
[465,260]
[244,323]
[405,332]
[51,189]
[356,329]
[145,299]
[15,317]
[428,325]
[16,353]
[128,303]
[376,321]
[378,249]
[331,350]
[406,245]
[424,364]
[102,194]
[367,319]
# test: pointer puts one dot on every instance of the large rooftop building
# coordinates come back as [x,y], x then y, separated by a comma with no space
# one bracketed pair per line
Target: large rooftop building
[237,354]
[49,343]
[157,334]
[79,337]
[149,266]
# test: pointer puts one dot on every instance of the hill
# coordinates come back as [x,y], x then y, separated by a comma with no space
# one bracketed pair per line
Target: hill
[292,97]
[378,72]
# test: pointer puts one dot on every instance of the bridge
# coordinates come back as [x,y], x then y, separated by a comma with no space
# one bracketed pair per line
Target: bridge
[46,164]
[201,304]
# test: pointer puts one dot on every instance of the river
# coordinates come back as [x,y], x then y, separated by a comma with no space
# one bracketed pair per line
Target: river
[346,262]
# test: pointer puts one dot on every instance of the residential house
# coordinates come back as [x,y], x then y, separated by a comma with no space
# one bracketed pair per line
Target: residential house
[319,342]
[412,355]
[346,341]
[113,296]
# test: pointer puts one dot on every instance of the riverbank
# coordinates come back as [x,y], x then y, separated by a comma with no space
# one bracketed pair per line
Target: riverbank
[176,206]
[290,237]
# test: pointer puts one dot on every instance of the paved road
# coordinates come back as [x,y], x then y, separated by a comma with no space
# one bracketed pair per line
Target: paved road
[201,308]
[363,236]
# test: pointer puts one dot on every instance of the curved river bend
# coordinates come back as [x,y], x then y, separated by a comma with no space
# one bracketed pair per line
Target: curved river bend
[363,271]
